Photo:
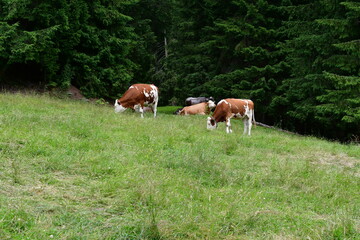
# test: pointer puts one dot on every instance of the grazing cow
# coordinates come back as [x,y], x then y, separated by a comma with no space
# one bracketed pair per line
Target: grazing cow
[200,108]
[233,108]
[136,96]
[192,100]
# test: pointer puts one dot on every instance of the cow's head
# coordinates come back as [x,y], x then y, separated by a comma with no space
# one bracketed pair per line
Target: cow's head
[211,123]
[118,107]
[211,104]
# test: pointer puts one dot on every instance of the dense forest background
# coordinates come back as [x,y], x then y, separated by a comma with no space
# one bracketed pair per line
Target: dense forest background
[299,61]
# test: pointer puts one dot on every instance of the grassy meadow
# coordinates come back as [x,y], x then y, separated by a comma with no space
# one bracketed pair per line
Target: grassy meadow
[75,170]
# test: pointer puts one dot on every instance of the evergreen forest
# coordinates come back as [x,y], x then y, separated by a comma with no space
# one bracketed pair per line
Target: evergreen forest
[299,61]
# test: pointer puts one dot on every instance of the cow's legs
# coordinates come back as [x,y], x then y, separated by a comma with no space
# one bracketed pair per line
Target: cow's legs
[154,108]
[141,110]
[249,121]
[249,126]
[228,126]
[246,126]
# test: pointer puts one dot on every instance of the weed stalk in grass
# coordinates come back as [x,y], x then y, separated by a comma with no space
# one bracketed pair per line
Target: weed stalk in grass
[15,174]
[149,201]
[152,230]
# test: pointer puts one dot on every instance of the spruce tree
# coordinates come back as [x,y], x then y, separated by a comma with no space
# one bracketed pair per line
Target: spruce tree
[340,103]
[322,51]
[83,43]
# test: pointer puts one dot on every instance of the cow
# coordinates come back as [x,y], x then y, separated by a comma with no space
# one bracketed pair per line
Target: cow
[136,97]
[233,108]
[200,108]
[195,100]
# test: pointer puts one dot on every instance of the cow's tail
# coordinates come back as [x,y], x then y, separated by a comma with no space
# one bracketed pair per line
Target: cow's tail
[253,117]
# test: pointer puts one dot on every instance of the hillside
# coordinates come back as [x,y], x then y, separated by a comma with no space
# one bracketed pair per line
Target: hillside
[74,170]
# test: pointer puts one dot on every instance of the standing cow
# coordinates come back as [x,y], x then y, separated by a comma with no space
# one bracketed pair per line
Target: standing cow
[233,108]
[136,97]
[200,108]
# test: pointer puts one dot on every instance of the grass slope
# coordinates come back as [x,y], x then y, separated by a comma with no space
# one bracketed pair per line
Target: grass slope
[73,170]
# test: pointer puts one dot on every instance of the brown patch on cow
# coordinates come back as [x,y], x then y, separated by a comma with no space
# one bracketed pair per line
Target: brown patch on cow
[212,121]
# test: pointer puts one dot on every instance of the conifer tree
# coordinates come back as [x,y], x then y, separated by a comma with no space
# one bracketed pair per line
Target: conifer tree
[322,51]
[249,64]
[74,42]
[340,103]
[226,49]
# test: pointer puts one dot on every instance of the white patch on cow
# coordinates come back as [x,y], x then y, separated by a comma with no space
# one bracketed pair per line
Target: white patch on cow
[209,125]
[155,95]
[248,122]
[154,92]
[118,107]
[137,107]
[131,87]
[226,102]
[211,104]
[228,126]
[247,111]
[223,101]
[146,93]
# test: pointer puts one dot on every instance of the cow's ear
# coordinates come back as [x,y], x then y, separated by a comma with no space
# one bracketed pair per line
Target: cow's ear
[212,121]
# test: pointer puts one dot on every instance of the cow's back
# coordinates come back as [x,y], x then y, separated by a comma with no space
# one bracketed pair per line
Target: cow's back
[240,107]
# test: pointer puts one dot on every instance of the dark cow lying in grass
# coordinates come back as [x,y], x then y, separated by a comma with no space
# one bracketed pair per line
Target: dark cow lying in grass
[195,100]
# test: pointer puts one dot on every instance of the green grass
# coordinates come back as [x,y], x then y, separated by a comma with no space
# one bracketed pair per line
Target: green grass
[74,170]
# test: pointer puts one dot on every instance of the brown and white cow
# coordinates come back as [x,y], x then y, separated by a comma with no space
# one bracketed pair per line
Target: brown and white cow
[136,97]
[200,108]
[233,108]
